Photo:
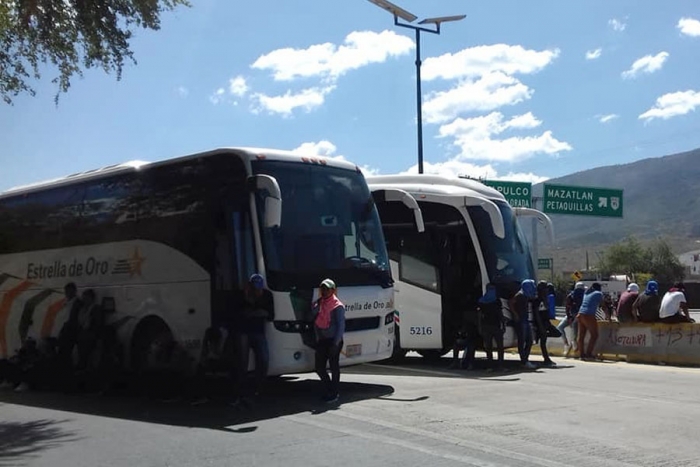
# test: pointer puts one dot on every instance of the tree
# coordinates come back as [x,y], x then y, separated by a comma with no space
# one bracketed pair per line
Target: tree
[665,266]
[70,35]
[627,257]
[633,259]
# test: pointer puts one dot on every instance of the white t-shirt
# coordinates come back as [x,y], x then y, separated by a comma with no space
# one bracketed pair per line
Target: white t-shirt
[671,304]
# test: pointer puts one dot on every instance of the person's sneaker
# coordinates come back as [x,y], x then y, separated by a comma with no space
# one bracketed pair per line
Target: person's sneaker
[567,350]
[549,363]
[23,387]
[330,398]
[530,366]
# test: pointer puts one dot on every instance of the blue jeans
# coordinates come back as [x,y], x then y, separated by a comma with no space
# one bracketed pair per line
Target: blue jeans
[524,333]
[566,322]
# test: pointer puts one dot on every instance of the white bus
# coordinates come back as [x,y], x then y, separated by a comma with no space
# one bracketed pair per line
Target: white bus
[168,246]
[471,237]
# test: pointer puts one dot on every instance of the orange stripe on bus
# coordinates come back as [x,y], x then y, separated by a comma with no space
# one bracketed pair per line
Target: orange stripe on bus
[50,318]
[5,307]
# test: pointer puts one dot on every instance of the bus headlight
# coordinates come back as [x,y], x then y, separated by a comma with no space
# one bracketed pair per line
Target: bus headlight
[389,318]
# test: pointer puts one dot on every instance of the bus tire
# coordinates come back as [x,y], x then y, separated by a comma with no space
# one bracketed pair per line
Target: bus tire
[432,355]
[397,354]
[151,336]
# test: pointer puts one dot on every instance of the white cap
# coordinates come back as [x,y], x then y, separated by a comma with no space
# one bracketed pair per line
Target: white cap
[633,287]
[580,285]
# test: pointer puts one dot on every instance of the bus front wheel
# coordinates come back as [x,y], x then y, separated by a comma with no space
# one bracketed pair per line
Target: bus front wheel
[152,346]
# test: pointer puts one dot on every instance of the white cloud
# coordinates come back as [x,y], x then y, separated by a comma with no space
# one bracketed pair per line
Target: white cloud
[285,104]
[689,27]
[218,97]
[489,92]
[474,138]
[593,54]
[455,168]
[607,118]
[327,149]
[673,104]
[484,59]
[646,64]
[237,86]
[182,91]
[617,25]
[330,61]
[320,148]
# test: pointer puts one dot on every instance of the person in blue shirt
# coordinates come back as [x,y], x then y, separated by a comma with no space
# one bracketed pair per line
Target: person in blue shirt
[520,308]
[587,322]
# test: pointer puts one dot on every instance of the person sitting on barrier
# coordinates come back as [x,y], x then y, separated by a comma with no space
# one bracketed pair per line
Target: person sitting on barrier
[573,303]
[672,304]
[646,307]
[625,313]
[520,306]
[587,322]
[491,324]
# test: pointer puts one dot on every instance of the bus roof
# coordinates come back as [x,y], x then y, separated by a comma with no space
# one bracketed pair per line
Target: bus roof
[435,184]
[245,152]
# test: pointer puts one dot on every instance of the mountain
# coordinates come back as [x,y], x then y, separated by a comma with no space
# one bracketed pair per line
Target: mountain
[661,198]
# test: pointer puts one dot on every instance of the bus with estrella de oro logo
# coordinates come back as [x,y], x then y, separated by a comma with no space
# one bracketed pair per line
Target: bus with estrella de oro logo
[168,246]
[468,236]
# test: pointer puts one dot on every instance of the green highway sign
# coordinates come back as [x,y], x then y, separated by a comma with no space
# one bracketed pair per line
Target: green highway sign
[518,194]
[582,201]
[544,263]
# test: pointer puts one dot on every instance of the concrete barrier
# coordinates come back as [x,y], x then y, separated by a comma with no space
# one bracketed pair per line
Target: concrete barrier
[674,344]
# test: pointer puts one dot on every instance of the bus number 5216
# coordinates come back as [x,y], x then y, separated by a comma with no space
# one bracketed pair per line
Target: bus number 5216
[421,330]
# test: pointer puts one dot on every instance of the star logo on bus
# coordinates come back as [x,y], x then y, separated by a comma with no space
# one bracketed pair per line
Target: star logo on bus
[136,262]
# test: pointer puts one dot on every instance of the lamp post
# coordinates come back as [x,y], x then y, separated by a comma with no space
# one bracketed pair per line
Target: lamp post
[409,17]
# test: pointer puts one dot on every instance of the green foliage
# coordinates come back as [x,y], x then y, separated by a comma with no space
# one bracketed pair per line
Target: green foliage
[630,257]
[70,35]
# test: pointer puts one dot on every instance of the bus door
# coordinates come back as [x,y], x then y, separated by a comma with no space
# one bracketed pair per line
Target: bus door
[413,256]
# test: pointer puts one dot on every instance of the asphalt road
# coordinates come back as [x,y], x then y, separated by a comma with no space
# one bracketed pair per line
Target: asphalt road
[581,414]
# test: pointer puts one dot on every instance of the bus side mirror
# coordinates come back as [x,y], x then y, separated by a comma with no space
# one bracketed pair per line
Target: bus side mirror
[273,198]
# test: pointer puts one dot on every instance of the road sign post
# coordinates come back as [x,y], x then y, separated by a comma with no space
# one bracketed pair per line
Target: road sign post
[518,194]
[582,201]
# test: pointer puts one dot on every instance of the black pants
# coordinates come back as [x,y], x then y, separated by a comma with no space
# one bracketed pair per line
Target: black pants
[328,352]
[491,333]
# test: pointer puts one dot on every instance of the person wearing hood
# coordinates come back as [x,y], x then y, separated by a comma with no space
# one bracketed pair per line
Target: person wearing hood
[329,325]
[647,305]
[520,307]
[625,313]
[541,308]
[587,321]
[674,307]
[491,324]
[573,304]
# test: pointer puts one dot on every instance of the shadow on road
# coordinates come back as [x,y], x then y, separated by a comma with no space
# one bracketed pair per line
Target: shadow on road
[21,441]
[281,397]
[443,368]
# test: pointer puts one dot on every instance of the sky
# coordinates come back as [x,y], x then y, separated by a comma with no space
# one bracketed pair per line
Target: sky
[523,91]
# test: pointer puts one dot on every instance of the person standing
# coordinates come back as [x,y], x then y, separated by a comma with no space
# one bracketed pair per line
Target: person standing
[258,308]
[625,313]
[491,325]
[587,321]
[541,312]
[329,325]
[573,304]
[520,307]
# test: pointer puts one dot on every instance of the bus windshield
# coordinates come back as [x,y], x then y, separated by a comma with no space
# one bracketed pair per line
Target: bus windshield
[330,228]
[508,259]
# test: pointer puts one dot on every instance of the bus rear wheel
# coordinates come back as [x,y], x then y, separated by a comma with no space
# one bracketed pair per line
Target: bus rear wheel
[152,346]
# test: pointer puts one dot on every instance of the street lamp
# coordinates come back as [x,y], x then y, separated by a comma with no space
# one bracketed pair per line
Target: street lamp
[399,12]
